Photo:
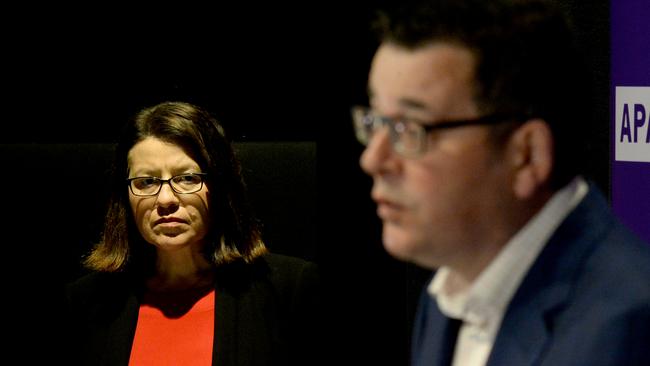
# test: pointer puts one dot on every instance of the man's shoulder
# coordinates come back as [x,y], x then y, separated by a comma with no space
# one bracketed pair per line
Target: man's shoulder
[617,251]
[620,260]
[590,254]
[594,221]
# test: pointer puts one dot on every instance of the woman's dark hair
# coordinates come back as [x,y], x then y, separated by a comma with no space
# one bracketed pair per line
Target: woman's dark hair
[234,234]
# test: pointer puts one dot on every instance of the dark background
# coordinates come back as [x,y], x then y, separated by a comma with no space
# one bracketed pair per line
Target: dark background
[269,73]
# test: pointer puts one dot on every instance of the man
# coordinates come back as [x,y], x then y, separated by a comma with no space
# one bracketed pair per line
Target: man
[472,145]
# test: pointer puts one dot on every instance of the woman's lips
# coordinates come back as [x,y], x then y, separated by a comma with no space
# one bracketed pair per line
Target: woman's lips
[170,221]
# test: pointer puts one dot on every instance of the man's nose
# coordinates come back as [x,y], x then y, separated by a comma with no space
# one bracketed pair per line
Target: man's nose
[378,157]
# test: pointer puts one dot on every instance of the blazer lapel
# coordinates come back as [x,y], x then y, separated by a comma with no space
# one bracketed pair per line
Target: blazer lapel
[121,333]
[435,338]
[521,339]
[224,349]
[524,332]
[525,329]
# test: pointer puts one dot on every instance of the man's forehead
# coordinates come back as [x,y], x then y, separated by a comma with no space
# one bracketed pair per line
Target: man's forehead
[438,74]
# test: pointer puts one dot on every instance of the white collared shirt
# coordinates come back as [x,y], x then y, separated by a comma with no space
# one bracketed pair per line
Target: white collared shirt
[482,305]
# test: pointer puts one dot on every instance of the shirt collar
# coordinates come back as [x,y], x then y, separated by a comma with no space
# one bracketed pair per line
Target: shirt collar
[484,302]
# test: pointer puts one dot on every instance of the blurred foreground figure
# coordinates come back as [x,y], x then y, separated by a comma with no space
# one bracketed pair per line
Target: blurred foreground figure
[473,143]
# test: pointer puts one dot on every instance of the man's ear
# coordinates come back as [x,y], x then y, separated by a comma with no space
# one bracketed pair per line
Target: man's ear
[531,155]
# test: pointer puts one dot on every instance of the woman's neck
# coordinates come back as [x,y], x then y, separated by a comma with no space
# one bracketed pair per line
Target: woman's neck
[178,271]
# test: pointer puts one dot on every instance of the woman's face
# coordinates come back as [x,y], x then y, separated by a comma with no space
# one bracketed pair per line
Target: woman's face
[169,220]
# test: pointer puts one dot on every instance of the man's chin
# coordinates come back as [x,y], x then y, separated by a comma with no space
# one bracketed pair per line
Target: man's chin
[398,243]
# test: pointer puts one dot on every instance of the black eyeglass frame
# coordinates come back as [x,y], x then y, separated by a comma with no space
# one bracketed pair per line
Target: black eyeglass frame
[488,119]
[168,181]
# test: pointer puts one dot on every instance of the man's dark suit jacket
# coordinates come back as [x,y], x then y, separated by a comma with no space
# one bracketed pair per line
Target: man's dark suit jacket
[265,314]
[585,300]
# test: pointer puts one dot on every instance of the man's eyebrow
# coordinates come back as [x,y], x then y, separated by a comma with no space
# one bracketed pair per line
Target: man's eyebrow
[405,102]
[413,104]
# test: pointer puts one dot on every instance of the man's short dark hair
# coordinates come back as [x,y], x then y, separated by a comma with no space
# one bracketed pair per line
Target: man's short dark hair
[527,61]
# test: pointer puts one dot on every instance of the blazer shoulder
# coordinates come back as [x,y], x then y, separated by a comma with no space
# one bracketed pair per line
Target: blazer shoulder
[621,263]
[292,266]
[96,287]
[290,272]
[274,272]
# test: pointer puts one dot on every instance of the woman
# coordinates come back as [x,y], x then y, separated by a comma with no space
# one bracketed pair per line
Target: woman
[181,275]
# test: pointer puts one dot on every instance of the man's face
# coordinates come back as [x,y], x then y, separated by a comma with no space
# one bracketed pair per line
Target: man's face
[442,207]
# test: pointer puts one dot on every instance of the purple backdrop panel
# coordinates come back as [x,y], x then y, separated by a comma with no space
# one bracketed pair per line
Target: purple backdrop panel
[630,129]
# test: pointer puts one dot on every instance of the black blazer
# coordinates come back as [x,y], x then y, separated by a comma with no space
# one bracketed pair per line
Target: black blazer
[266,313]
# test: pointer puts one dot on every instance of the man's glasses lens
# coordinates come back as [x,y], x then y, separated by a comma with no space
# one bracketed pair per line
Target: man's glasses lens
[406,138]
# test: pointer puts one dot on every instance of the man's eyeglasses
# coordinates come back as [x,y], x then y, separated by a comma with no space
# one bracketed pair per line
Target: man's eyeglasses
[182,183]
[408,138]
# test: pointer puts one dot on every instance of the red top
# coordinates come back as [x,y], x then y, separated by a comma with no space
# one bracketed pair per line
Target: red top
[174,330]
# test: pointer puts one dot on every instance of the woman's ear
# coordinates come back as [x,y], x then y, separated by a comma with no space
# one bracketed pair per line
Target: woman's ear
[531,155]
